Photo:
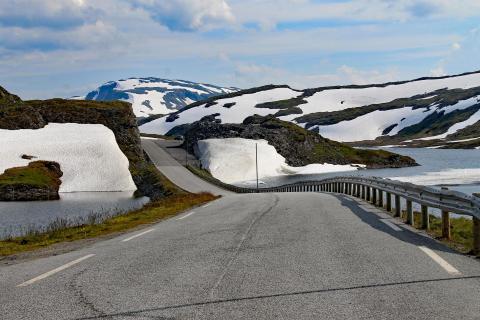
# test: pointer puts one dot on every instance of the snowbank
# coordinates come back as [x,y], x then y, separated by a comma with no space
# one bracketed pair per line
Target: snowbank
[232,160]
[88,154]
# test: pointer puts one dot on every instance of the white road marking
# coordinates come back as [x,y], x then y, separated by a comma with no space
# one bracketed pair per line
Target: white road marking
[52,272]
[391,224]
[187,215]
[137,235]
[206,205]
[444,264]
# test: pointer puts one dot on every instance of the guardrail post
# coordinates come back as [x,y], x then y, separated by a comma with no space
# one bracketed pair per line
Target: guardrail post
[425,220]
[368,196]
[476,233]
[380,198]
[364,196]
[409,212]
[374,196]
[446,233]
[398,206]
[389,201]
[358,190]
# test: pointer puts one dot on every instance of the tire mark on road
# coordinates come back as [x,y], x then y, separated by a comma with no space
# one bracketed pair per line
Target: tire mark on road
[240,244]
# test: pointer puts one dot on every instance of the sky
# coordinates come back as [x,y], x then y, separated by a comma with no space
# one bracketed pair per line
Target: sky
[61,48]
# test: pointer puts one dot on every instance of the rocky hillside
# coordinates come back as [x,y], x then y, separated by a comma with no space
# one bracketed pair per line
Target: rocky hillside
[116,115]
[443,109]
[300,147]
[155,96]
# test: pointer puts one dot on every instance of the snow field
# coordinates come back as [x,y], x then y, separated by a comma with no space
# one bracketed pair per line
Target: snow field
[232,160]
[89,155]
[243,108]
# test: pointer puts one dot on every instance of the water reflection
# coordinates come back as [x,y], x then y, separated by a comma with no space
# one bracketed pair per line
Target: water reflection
[16,217]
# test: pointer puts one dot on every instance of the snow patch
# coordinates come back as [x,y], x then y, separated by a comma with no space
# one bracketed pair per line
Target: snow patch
[88,154]
[340,99]
[232,160]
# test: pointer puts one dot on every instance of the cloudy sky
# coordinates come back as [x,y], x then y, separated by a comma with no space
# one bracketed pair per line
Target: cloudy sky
[60,48]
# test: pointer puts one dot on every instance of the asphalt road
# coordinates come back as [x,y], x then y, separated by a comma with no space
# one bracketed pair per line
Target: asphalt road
[253,256]
[176,172]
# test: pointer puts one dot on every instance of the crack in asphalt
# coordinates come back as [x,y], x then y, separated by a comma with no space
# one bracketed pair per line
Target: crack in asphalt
[240,244]
[281,295]
[77,290]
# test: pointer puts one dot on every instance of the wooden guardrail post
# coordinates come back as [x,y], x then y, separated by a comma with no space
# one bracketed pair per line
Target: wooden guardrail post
[446,233]
[476,233]
[380,198]
[425,218]
[398,206]
[409,212]
[389,201]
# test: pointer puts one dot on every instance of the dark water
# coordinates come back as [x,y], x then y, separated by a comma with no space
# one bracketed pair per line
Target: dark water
[18,217]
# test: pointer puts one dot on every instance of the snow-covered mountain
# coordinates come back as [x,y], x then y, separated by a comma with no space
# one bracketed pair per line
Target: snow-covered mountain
[154,96]
[425,108]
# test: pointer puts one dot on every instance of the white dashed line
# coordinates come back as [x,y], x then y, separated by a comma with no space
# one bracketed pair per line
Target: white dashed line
[52,272]
[187,215]
[391,224]
[138,235]
[444,264]
[204,206]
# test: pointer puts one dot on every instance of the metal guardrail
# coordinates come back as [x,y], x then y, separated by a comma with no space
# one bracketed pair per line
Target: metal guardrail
[379,190]
[445,200]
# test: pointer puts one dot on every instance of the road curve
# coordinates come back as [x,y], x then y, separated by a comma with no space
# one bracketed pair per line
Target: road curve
[253,256]
[176,172]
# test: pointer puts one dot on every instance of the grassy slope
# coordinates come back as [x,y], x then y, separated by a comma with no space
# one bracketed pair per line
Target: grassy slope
[34,176]
[327,150]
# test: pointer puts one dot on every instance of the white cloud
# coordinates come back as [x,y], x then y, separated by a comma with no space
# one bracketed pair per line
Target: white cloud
[456,46]
[54,14]
[438,71]
[188,15]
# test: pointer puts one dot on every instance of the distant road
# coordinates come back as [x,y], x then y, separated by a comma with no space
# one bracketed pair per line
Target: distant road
[252,256]
[176,172]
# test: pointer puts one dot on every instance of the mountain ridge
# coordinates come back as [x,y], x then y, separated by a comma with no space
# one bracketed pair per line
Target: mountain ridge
[411,109]
[154,96]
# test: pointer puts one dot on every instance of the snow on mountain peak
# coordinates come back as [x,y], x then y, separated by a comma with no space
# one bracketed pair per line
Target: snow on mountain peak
[151,96]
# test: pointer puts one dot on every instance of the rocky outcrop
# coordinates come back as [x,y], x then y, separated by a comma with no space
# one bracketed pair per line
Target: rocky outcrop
[116,115]
[40,180]
[299,146]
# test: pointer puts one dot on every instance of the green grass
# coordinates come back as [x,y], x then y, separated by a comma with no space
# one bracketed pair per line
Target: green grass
[35,174]
[151,213]
[461,230]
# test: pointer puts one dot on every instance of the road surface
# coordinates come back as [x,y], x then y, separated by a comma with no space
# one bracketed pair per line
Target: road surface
[176,172]
[253,256]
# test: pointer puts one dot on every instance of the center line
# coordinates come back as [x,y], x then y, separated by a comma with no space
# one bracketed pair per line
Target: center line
[187,215]
[52,272]
[390,224]
[444,264]
[137,235]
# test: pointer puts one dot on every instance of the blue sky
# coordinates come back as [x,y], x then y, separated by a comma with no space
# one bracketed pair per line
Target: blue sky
[60,48]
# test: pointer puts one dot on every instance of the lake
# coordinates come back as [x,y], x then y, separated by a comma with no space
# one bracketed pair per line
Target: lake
[18,217]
